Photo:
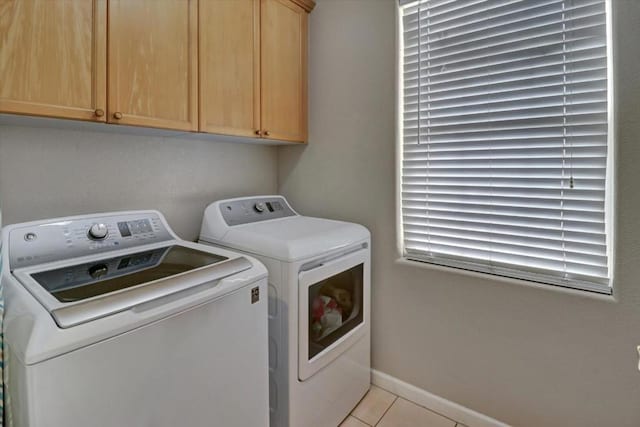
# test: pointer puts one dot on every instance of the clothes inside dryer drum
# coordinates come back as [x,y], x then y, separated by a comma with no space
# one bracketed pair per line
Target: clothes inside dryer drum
[82,281]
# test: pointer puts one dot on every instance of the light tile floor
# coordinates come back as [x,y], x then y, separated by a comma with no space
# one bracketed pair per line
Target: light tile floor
[381,408]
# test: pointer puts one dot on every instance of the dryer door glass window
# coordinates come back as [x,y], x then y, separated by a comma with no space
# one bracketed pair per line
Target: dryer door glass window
[335,308]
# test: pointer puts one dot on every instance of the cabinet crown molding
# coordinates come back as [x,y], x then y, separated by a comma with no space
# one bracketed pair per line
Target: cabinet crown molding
[307,5]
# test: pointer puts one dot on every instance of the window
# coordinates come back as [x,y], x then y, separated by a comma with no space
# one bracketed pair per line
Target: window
[504,124]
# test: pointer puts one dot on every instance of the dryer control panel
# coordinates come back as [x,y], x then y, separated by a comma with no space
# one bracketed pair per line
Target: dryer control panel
[245,211]
[46,241]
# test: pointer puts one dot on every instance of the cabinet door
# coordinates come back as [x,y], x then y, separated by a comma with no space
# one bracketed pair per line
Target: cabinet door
[153,63]
[229,60]
[284,70]
[53,58]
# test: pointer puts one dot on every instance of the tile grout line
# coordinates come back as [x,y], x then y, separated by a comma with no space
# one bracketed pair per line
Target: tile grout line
[387,410]
[351,414]
[417,404]
[362,421]
[387,390]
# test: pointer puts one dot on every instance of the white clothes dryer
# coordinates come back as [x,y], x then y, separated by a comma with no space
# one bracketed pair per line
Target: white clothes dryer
[319,299]
[112,320]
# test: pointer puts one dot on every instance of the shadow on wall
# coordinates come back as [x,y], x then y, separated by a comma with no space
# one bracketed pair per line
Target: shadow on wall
[288,161]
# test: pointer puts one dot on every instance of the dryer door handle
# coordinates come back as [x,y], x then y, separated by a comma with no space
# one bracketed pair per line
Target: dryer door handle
[322,262]
[109,304]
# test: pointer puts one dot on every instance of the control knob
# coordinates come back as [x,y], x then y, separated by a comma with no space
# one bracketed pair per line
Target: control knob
[98,270]
[98,231]
[259,207]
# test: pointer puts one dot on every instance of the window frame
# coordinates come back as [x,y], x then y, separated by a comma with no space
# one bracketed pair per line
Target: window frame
[610,187]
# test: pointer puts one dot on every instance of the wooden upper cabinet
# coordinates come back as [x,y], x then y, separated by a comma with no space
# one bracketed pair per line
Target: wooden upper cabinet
[53,58]
[229,60]
[152,60]
[234,67]
[284,70]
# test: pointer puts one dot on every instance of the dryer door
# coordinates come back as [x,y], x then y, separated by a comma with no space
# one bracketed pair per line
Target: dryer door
[332,310]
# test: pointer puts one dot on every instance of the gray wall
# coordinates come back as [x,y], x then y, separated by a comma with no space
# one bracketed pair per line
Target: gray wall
[47,172]
[525,355]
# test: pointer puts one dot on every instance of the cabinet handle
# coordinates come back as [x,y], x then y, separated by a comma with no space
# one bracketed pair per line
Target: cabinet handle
[257,132]
[117,115]
[99,112]
[266,133]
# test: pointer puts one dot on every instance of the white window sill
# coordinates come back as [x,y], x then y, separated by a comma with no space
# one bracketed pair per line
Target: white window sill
[486,276]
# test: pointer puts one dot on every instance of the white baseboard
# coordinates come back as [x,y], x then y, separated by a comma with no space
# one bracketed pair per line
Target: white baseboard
[445,407]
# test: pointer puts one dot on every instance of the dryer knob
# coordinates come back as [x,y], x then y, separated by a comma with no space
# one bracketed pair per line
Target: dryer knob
[259,207]
[98,231]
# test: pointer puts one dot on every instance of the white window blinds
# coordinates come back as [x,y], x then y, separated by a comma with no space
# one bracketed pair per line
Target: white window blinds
[504,125]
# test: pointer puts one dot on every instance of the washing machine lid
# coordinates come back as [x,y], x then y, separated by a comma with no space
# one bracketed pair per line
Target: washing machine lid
[292,238]
[102,276]
[79,292]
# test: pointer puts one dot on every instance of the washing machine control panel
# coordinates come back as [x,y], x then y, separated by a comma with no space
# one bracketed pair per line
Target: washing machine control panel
[245,211]
[79,236]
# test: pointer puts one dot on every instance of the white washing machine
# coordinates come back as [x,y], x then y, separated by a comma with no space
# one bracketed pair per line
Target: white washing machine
[319,299]
[111,320]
